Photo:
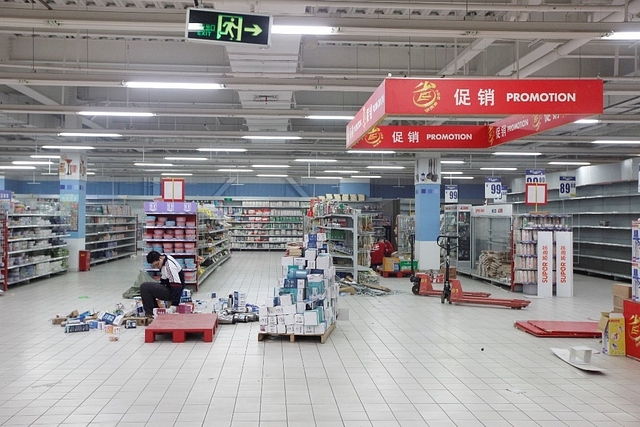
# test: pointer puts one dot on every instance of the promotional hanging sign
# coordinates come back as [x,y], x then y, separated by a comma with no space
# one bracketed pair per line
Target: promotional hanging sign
[492,187]
[532,105]
[535,193]
[451,194]
[545,264]
[424,137]
[564,264]
[567,187]
[535,175]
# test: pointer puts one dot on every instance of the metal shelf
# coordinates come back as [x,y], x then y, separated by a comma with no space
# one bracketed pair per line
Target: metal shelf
[50,236]
[111,248]
[11,267]
[99,260]
[36,276]
[40,248]
[618,245]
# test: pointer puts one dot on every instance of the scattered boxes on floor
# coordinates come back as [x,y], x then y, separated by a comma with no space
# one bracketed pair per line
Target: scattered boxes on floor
[613,337]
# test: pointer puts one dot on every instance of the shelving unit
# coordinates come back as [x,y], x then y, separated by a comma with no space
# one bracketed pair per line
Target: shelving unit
[35,245]
[265,224]
[526,247]
[407,207]
[172,228]
[4,244]
[214,246]
[457,222]
[405,228]
[111,232]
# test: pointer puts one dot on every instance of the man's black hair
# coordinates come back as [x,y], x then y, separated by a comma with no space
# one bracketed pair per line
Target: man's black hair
[153,256]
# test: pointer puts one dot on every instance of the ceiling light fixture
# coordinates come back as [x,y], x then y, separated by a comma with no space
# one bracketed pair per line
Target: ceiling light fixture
[341,171]
[316,160]
[230,150]
[451,172]
[270,166]
[175,174]
[272,175]
[384,167]
[116,113]
[45,156]
[459,177]
[235,170]
[516,153]
[49,173]
[195,159]
[91,173]
[498,169]
[607,141]
[68,147]
[18,167]
[329,117]
[452,162]
[622,35]
[371,152]
[89,134]
[569,163]
[586,121]
[366,176]
[269,137]
[329,177]
[152,164]
[173,85]
[166,170]
[31,162]
[303,29]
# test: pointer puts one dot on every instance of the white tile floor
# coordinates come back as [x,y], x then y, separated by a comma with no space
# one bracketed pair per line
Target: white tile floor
[401,360]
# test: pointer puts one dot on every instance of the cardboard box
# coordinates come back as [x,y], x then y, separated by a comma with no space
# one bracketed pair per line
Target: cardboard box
[453,272]
[390,264]
[622,290]
[618,303]
[613,335]
[311,318]
[632,328]
[405,265]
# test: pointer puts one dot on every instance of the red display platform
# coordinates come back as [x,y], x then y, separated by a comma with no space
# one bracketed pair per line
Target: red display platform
[559,329]
[180,324]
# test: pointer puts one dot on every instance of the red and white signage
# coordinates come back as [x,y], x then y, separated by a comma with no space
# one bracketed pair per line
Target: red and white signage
[535,193]
[564,264]
[545,264]
[545,103]
[424,137]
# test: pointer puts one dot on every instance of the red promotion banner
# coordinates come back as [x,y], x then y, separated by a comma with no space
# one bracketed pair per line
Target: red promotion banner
[460,97]
[424,137]
[520,126]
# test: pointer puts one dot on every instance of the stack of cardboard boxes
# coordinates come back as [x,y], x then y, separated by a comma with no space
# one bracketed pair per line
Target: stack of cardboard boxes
[621,328]
[306,299]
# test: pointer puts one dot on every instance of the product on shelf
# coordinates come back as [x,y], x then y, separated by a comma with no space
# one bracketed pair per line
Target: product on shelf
[111,232]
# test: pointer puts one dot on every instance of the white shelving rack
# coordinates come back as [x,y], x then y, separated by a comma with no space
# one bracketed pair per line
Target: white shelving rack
[214,246]
[111,232]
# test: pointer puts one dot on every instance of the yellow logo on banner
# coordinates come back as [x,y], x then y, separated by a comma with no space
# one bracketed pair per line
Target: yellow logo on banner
[426,96]
[634,329]
[491,137]
[537,121]
[374,137]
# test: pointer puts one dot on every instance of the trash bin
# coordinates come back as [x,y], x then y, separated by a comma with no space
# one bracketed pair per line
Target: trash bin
[84,261]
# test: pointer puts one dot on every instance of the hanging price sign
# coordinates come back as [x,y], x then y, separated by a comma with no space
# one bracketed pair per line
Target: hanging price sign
[451,194]
[492,187]
[567,187]
[535,175]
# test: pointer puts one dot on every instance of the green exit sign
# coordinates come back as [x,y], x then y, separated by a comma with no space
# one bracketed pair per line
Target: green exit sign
[209,25]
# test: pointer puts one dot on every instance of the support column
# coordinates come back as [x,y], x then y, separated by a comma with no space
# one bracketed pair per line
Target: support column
[73,197]
[427,217]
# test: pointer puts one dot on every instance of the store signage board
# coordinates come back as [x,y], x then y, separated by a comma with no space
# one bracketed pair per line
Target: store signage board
[492,187]
[214,26]
[535,175]
[171,207]
[492,210]
[532,106]
[5,195]
[451,194]
[545,264]
[564,264]
[535,193]
[424,137]
[172,189]
[567,187]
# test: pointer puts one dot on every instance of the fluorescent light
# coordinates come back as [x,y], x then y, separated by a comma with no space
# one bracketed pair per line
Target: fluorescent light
[622,35]
[459,177]
[235,170]
[329,117]
[67,147]
[302,29]
[269,137]
[269,166]
[95,135]
[49,173]
[230,150]
[45,156]
[606,141]
[166,170]
[586,121]
[516,153]
[451,162]
[570,163]
[329,177]
[195,159]
[384,167]
[451,172]
[366,176]
[341,171]
[498,169]
[175,174]
[91,173]
[271,175]
[18,167]
[116,113]
[173,85]
[152,164]
[31,162]
[370,152]
[316,160]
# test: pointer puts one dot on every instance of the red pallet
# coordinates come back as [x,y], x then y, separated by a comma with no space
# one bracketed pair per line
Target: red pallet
[559,329]
[181,324]
[398,274]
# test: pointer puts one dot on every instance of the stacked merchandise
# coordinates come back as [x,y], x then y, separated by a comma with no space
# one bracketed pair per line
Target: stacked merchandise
[494,265]
[306,300]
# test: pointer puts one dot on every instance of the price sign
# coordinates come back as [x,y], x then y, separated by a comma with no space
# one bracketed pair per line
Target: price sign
[492,187]
[451,194]
[567,187]
[503,195]
[535,175]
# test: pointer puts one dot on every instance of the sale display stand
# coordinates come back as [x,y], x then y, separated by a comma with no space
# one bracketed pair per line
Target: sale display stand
[559,329]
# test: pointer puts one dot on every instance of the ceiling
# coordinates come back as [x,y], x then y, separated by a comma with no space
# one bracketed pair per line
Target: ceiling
[59,57]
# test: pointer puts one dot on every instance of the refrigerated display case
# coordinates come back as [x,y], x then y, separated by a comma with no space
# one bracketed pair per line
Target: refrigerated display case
[457,222]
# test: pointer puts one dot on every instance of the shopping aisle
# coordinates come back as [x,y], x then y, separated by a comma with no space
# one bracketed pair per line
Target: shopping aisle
[401,360]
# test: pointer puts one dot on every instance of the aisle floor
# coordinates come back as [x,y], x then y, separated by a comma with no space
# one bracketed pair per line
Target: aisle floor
[400,360]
